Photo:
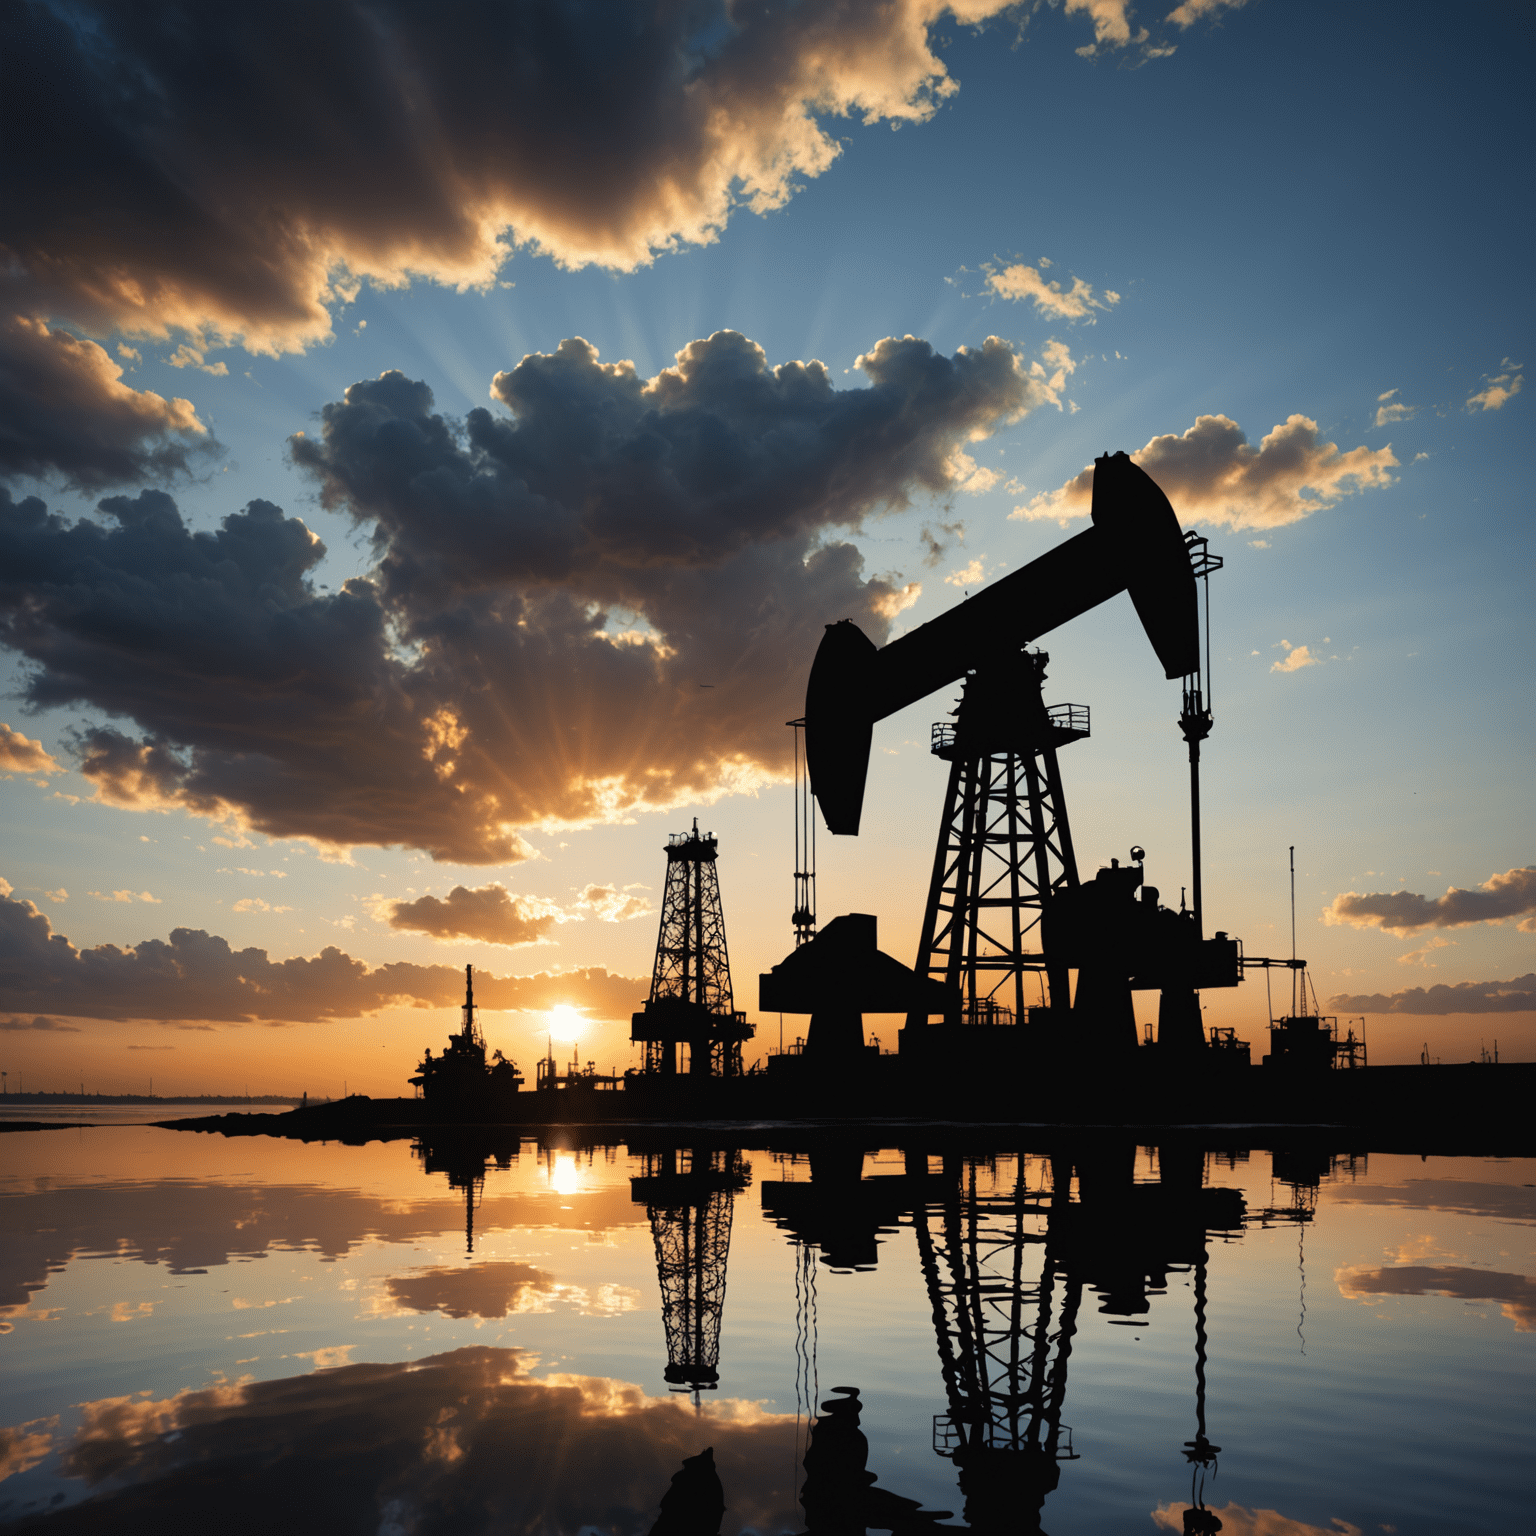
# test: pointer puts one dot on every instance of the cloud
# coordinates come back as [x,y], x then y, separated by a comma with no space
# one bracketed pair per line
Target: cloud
[488,913]
[1498,898]
[464,1441]
[551,583]
[195,975]
[392,148]
[1517,1293]
[498,1289]
[935,543]
[1416,956]
[24,1445]
[67,413]
[1019,282]
[971,575]
[1111,24]
[1296,657]
[1213,473]
[188,1225]
[40,1023]
[1236,1519]
[1516,996]
[256,904]
[150,1047]
[495,1289]
[1497,389]
[20,754]
[1188,12]
[610,905]
[1389,410]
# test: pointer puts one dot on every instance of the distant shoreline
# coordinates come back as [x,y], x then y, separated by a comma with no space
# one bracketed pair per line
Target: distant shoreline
[146,1098]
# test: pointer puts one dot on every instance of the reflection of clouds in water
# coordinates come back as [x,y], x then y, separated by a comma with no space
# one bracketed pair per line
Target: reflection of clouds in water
[326,1359]
[191,1227]
[1237,1521]
[1517,1293]
[1504,1202]
[22,1313]
[24,1445]
[462,1442]
[496,1289]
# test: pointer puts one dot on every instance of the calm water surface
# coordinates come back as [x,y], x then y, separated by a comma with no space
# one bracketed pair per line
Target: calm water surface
[231,1335]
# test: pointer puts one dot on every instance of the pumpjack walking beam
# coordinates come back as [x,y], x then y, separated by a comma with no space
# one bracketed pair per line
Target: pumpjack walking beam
[1134,546]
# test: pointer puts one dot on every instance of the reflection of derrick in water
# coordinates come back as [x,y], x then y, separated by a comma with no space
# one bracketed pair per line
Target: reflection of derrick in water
[1003,1349]
[690,1216]
[465,1159]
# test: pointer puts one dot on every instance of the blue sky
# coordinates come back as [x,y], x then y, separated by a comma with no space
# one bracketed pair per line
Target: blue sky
[1307,220]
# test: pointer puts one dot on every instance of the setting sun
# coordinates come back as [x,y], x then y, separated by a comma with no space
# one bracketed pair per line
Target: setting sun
[566,1022]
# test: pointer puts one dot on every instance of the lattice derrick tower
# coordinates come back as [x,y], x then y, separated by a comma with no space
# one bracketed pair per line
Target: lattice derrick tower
[690,1002]
[690,1215]
[1005,843]
[691,958]
[1003,1351]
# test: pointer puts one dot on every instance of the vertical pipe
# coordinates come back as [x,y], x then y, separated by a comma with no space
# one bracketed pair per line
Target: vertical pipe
[1194,833]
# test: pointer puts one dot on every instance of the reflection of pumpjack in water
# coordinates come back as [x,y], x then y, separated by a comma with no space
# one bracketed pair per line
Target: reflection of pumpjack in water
[1003,1347]
[690,1216]
[1002,1350]
[1199,1452]
[839,1493]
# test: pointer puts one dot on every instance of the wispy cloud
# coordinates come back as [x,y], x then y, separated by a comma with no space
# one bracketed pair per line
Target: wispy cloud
[1498,389]
[1390,409]
[1020,283]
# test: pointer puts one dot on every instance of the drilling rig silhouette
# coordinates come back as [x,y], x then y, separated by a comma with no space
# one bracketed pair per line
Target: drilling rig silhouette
[690,1007]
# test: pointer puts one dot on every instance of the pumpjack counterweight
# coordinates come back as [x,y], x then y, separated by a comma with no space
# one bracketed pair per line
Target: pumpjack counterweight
[690,1002]
[1005,844]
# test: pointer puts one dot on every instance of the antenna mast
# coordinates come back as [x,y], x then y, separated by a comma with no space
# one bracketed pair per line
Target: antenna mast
[1293,937]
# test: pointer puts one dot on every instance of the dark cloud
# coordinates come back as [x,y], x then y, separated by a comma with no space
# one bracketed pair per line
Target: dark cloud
[197,975]
[1502,1202]
[605,477]
[1512,894]
[179,168]
[38,1022]
[1517,1293]
[551,589]
[65,412]
[463,1442]
[1516,996]
[488,913]
[473,1290]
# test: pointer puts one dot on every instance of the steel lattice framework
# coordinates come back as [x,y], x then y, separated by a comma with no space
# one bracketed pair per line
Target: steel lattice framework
[690,1002]
[691,960]
[1003,1348]
[690,1216]
[1005,844]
